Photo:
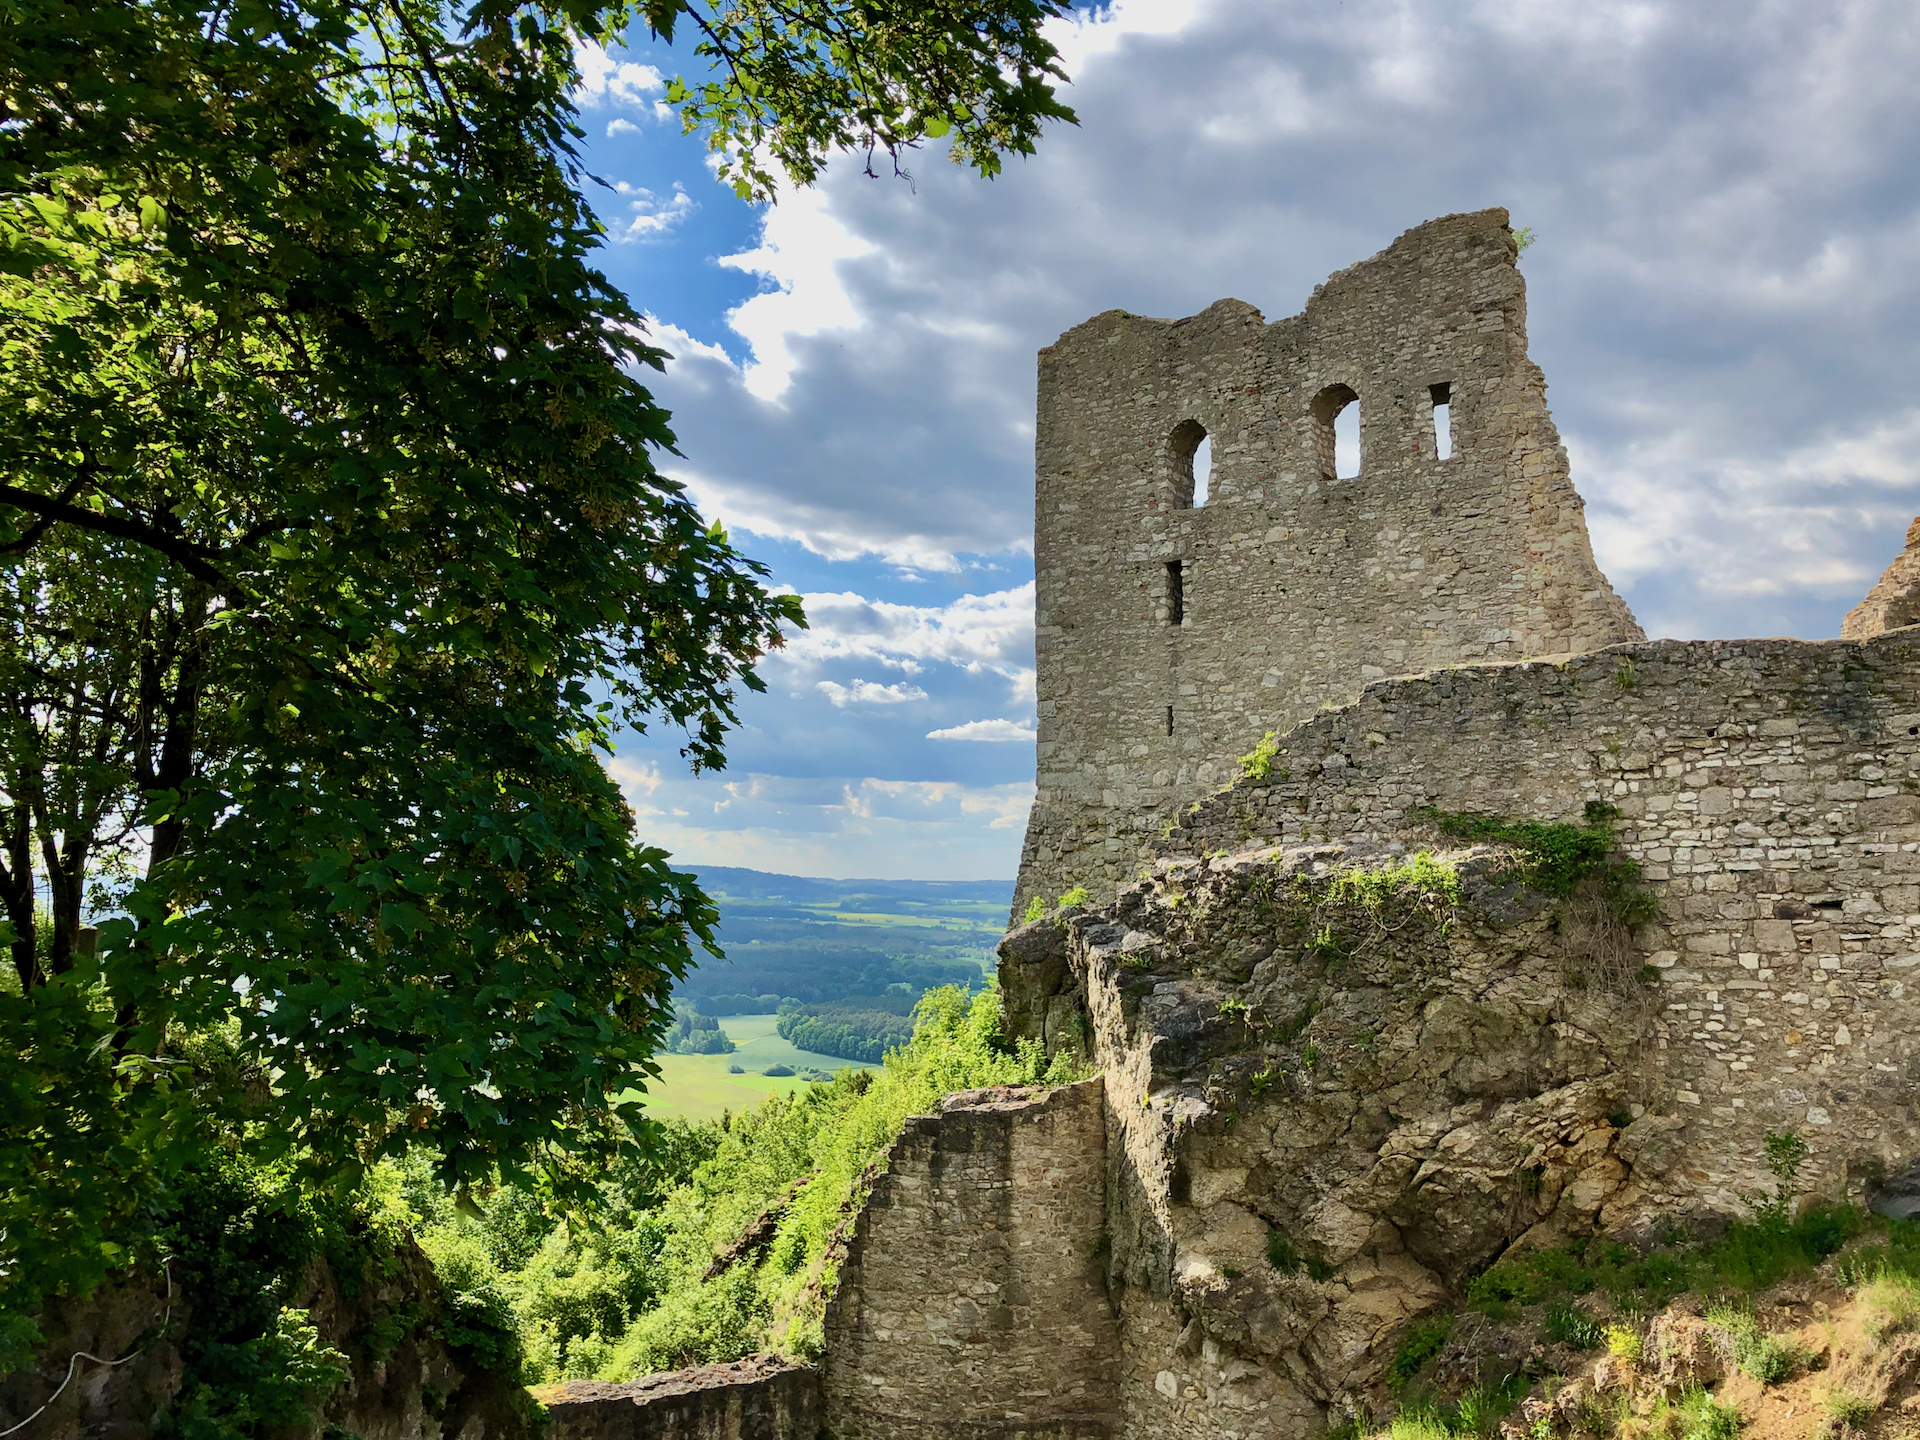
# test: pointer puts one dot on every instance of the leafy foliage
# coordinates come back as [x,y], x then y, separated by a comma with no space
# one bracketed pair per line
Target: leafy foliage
[333,556]
[794,82]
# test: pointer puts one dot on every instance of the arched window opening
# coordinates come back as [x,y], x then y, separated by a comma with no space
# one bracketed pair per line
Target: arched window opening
[1442,419]
[1191,453]
[1336,432]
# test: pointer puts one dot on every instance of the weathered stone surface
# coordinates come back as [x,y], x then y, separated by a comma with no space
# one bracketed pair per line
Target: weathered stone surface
[971,1300]
[1297,588]
[763,1397]
[1894,600]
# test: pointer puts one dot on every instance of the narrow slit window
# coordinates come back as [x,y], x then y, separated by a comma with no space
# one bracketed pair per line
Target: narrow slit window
[1176,593]
[1190,461]
[1169,719]
[1335,414]
[1442,420]
[1346,443]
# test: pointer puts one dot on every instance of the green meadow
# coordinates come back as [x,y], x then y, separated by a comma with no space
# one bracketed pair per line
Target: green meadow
[698,1087]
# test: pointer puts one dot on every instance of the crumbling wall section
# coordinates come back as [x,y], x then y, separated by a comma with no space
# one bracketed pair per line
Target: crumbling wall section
[763,1397]
[1294,587]
[972,1300]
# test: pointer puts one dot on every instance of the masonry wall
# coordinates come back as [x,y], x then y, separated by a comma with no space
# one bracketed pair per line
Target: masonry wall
[1296,587]
[760,1398]
[971,1302]
[1770,790]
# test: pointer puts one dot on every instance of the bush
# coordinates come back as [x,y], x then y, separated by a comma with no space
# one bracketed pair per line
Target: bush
[1765,1357]
[1420,1343]
[1623,1341]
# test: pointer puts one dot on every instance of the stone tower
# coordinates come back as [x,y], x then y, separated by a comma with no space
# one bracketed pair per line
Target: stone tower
[1172,635]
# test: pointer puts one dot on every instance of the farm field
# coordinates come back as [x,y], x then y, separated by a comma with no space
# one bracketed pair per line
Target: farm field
[698,1087]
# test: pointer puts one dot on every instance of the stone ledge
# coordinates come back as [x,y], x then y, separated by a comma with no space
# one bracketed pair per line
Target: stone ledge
[764,1397]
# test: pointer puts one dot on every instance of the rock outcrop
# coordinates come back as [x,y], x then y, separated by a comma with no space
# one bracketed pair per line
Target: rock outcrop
[1894,601]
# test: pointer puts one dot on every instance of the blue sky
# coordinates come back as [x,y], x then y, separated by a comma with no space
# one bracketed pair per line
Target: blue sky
[1724,293]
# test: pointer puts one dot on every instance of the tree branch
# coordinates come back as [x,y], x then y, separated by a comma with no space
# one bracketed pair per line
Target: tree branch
[194,559]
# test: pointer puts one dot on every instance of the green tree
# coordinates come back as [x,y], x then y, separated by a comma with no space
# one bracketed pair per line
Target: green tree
[335,556]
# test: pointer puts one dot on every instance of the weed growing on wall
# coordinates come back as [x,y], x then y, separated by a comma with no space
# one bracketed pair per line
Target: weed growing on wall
[1602,896]
[1258,765]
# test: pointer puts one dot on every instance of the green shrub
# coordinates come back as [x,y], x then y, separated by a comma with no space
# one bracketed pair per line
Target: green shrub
[1623,1341]
[1419,1344]
[1766,1358]
[1849,1410]
[1701,1417]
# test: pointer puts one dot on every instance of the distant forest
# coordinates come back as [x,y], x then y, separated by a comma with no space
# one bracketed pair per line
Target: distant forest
[864,1027]
[817,942]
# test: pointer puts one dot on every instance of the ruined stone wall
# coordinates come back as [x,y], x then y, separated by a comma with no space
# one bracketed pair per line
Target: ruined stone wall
[1295,587]
[1402,1107]
[971,1301]
[1770,790]
[760,1398]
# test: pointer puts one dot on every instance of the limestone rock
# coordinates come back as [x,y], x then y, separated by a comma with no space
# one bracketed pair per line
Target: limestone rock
[1894,601]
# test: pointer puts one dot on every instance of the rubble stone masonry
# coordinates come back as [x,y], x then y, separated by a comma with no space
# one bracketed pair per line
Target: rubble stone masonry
[972,1300]
[1171,636]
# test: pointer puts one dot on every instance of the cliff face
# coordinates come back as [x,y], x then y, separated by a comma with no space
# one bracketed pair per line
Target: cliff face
[1329,1106]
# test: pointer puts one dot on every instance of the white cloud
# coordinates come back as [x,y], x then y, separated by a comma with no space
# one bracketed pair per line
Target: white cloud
[860,826]
[621,126]
[977,632]
[987,730]
[802,244]
[652,215]
[606,81]
[634,777]
[866,692]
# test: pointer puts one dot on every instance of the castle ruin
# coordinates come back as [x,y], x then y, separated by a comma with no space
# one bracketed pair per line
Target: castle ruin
[1345,1059]
[1171,635]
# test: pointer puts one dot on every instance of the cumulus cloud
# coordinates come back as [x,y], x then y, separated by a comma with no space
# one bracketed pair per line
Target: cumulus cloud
[649,216]
[993,631]
[867,692]
[987,730]
[1728,266]
[607,81]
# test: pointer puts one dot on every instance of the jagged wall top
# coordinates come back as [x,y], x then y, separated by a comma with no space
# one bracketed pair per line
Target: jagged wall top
[1170,636]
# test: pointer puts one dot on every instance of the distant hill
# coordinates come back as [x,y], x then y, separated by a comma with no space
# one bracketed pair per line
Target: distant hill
[802,938]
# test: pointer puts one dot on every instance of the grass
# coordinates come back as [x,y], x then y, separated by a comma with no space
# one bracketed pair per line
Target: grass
[1890,1302]
[699,1087]
[1767,1358]
[1751,1256]
[1847,1409]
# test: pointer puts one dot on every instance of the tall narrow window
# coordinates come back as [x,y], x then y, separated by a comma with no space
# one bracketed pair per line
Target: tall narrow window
[1336,432]
[1190,456]
[1346,443]
[1442,420]
[1176,593]
[1169,719]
